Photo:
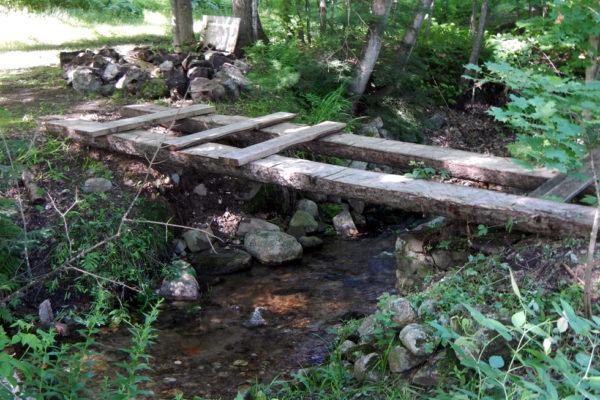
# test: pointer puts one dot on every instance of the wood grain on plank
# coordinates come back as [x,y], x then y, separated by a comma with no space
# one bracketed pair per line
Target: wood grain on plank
[564,187]
[121,125]
[275,145]
[222,131]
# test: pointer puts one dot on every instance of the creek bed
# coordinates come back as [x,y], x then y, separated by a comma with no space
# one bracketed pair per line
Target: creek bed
[212,352]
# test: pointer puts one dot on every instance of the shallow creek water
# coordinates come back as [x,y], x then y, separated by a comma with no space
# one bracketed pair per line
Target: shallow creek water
[213,352]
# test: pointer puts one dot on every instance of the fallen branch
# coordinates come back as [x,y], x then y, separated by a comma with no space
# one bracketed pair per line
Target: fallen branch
[580,281]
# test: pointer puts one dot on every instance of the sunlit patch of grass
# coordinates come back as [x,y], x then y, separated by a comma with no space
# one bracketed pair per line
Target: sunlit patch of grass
[26,31]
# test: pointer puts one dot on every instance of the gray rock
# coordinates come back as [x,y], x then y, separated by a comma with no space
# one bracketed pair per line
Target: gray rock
[179,248]
[357,205]
[202,89]
[366,330]
[184,287]
[272,248]
[111,72]
[242,66]
[344,224]
[346,346]
[45,313]
[445,259]
[403,313]
[107,89]
[302,223]
[358,165]
[308,206]
[415,338]
[426,308]
[364,368]
[359,220]
[371,128]
[427,376]
[221,263]
[310,242]
[199,72]
[387,134]
[230,72]
[232,88]
[437,120]
[85,79]
[255,225]
[198,240]
[166,66]
[133,80]
[97,185]
[258,317]
[200,190]
[401,360]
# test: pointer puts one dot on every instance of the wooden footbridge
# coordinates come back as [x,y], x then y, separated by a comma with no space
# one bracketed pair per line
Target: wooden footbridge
[272,134]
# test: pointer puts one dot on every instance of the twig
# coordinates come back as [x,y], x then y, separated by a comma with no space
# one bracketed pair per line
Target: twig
[580,282]
[63,216]
[102,278]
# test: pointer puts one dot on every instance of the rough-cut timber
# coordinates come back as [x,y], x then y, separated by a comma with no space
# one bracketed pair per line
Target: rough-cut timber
[226,130]
[564,187]
[275,145]
[466,203]
[460,164]
[121,125]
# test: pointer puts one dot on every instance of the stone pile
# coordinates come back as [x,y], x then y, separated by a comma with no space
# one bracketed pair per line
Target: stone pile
[154,73]
[413,356]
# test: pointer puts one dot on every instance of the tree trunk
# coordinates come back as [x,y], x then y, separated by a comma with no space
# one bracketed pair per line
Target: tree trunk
[473,19]
[323,16]
[477,39]
[410,36]
[380,11]
[591,72]
[182,23]
[307,15]
[250,27]
[429,18]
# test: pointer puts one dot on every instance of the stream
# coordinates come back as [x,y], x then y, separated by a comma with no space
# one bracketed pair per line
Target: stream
[212,352]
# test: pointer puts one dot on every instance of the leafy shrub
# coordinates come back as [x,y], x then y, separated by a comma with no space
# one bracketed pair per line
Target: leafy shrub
[47,368]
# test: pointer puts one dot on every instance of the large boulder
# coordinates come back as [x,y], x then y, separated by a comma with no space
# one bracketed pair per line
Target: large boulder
[368,328]
[272,248]
[224,262]
[255,225]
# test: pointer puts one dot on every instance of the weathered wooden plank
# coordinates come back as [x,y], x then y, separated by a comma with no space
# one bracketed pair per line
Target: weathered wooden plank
[460,164]
[467,203]
[564,187]
[222,131]
[120,125]
[275,145]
